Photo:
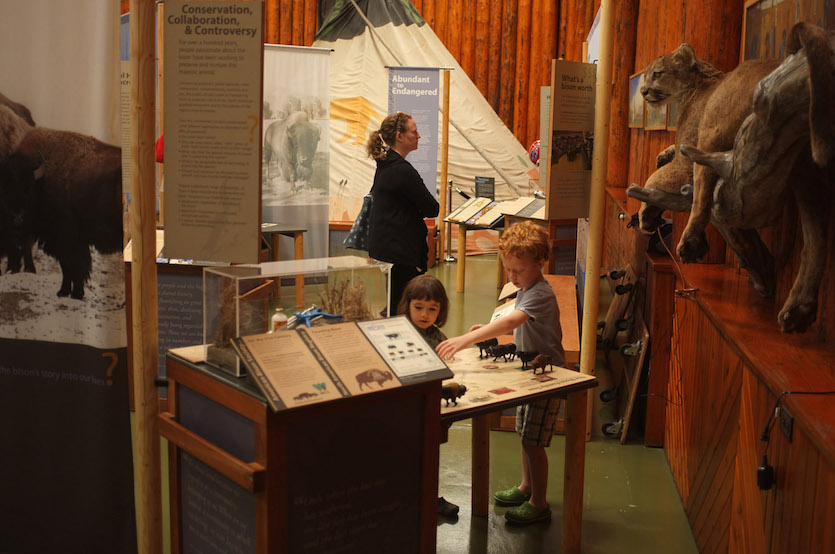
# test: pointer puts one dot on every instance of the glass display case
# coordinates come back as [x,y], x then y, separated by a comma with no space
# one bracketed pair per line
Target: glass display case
[254,299]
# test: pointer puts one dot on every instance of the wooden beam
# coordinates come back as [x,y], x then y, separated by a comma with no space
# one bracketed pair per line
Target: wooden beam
[147,472]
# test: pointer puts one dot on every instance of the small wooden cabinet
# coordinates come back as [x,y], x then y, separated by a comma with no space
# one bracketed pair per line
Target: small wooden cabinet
[359,472]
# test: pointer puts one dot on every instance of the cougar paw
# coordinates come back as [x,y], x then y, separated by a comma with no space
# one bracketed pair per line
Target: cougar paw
[797,318]
[692,247]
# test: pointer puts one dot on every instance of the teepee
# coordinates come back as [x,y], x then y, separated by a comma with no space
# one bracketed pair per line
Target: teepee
[368,36]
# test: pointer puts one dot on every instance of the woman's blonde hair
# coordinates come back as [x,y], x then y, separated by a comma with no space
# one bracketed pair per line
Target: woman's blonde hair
[381,140]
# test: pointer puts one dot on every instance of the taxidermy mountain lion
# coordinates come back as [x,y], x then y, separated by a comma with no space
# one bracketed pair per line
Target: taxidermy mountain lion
[712,106]
[786,145]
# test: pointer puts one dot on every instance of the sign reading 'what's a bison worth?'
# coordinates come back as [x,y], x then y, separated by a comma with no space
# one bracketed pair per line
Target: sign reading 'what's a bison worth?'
[322,363]
[213,54]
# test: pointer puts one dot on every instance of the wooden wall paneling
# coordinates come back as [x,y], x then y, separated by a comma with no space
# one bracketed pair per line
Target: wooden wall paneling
[568,9]
[428,13]
[311,22]
[482,34]
[467,59]
[747,532]
[660,297]
[440,25]
[507,80]
[617,169]
[536,80]
[546,50]
[454,34]
[521,90]
[823,535]
[297,23]
[271,21]
[494,55]
[418,4]
[285,21]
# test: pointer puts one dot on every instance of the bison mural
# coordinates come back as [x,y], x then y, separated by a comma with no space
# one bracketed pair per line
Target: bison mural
[291,143]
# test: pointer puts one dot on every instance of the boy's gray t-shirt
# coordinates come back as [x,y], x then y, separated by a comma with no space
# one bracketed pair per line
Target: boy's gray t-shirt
[541,332]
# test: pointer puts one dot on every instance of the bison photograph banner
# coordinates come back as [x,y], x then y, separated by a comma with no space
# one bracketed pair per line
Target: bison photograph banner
[66,474]
[296,156]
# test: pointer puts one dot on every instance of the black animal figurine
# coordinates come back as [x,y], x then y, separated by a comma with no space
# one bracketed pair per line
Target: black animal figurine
[540,361]
[504,351]
[526,356]
[452,391]
[484,345]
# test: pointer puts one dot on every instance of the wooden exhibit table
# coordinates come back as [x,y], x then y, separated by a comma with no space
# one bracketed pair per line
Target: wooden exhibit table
[463,227]
[272,231]
[493,386]
[358,473]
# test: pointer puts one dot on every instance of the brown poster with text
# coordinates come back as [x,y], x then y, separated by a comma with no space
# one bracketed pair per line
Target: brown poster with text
[213,53]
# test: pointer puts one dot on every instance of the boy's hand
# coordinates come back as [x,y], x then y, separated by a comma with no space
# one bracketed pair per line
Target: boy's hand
[447,349]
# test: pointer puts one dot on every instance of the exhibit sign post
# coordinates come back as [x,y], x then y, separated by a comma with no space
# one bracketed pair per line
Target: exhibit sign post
[570,135]
[414,90]
[213,55]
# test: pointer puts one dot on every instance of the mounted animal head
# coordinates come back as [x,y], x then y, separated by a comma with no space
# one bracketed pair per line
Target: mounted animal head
[671,77]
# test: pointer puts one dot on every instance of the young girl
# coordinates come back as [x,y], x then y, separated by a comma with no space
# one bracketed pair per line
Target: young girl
[425,304]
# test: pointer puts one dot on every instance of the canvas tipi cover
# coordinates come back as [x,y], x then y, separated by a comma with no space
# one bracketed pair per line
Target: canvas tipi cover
[392,33]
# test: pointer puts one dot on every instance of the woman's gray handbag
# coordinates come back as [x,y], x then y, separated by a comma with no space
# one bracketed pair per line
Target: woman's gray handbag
[358,235]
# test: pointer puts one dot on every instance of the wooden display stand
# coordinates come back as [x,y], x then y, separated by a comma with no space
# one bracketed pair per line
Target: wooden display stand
[494,386]
[360,472]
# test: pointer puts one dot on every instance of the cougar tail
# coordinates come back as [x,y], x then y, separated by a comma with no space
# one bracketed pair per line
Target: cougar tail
[821,62]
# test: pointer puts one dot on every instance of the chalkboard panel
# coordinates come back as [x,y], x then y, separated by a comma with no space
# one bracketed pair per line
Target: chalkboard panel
[218,516]
[355,480]
[180,317]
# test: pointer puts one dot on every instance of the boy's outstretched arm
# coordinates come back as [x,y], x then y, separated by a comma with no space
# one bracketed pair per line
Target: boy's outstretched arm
[501,326]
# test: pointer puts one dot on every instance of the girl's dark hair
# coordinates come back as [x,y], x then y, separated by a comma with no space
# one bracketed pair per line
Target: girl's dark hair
[381,140]
[425,287]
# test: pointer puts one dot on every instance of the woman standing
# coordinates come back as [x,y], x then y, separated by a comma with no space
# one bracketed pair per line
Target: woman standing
[397,233]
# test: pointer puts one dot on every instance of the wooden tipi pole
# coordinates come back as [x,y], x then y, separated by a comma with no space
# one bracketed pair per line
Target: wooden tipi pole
[444,168]
[591,296]
[144,277]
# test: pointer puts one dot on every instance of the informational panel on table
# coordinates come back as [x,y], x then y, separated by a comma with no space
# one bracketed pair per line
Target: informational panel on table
[213,53]
[571,134]
[304,366]
[491,381]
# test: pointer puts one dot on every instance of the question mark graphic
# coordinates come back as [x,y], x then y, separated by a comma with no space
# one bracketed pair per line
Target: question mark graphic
[254,125]
[114,359]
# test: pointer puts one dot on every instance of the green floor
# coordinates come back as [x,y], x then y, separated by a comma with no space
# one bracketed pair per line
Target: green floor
[631,503]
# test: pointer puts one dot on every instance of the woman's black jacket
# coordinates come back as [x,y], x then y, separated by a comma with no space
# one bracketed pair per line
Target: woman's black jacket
[397,233]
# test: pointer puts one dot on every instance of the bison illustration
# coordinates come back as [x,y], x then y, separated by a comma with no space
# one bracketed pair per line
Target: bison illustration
[291,143]
[373,376]
[64,189]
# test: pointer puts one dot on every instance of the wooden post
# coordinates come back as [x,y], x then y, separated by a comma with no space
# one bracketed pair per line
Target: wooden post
[575,468]
[444,167]
[462,255]
[591,298]
[145,353]
[481,464]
